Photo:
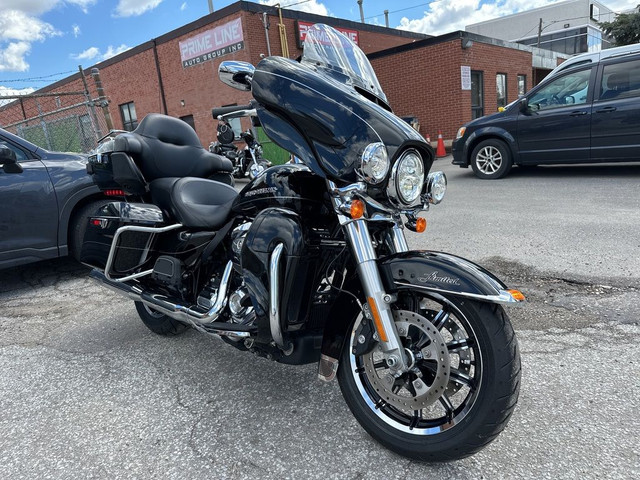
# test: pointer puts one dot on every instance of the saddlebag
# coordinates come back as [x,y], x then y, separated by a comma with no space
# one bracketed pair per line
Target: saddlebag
[133,248]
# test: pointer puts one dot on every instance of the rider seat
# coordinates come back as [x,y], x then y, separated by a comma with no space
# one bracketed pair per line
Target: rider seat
[196,203]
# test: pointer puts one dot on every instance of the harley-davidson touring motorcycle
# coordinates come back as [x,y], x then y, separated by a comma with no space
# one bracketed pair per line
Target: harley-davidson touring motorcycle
[247,162]
[309,262]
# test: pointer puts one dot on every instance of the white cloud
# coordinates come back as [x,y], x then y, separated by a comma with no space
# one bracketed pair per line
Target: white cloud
[442,17]
[183,7]
[94,52]
[112,52]
[312,6]
[76,31]
[4,91]
[17,32]
[12,57]
[133,8]
[88,54]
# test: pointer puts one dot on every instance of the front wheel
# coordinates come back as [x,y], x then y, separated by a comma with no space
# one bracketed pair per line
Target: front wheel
[491,159]
[461,388]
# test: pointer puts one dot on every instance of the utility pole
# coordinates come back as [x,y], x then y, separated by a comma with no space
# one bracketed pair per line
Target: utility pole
[386,18]
[539,32]
[361,11]
[210,6]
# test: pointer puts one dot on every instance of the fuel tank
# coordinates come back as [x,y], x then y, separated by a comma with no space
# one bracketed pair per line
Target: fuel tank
[291,186]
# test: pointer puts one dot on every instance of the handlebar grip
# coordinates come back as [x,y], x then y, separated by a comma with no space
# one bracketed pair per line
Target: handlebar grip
[215,112]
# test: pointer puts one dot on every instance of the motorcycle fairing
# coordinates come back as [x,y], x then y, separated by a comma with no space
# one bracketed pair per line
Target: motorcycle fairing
[442,273]
[333,123]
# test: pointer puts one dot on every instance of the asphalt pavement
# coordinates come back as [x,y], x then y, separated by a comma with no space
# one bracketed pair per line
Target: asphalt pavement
[86,391]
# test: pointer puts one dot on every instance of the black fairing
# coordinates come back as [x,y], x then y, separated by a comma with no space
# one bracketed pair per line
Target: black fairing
[293,187]
[438,271]
[325,123]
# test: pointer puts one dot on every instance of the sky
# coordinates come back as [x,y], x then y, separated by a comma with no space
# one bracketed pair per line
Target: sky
[42,41]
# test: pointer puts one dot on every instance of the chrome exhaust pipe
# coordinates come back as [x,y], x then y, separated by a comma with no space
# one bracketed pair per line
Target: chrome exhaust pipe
[179,312]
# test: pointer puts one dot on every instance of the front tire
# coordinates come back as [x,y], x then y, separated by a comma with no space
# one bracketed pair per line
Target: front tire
[460,392]
[491,159]
[159,323]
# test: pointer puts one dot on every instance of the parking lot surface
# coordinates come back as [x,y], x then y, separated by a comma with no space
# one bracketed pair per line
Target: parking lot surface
[86,391]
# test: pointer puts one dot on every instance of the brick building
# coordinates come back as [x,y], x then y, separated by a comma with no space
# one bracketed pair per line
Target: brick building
[448,80]
[442,81]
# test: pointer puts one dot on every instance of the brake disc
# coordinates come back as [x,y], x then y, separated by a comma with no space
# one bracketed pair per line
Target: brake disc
[411,393]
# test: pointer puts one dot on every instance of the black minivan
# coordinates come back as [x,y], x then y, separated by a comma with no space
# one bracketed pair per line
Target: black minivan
[586,110]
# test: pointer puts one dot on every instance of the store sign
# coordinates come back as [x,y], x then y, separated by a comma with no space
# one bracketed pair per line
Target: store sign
[214,43]
[465,77]
[303,27]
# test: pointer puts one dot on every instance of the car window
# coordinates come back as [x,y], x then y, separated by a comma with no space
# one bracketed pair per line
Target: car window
[570,89]
[20,155]
[620,80]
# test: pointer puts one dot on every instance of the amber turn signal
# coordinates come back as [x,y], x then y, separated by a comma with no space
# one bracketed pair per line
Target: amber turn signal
[517,295]
[421,224]
[357,208]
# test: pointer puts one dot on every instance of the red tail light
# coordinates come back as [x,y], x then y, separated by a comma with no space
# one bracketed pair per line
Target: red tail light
[114,193]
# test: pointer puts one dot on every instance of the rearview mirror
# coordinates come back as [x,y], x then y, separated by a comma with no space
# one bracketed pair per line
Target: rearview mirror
[524,104]
[236,74]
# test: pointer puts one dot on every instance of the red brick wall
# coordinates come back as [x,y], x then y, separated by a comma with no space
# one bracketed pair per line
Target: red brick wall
[426,83]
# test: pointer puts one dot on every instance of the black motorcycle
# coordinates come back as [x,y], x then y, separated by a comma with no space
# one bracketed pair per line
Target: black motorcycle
[247,162]
[309,262]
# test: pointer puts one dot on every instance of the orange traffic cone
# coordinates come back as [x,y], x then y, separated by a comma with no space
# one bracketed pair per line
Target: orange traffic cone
[440,151]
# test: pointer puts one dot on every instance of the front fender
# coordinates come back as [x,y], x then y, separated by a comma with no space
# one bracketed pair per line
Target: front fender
[445,274]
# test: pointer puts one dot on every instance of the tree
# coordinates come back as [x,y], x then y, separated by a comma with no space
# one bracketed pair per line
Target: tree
[625,28]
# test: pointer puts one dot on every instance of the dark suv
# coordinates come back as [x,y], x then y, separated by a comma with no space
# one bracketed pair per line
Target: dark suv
[45,200]
[585,111]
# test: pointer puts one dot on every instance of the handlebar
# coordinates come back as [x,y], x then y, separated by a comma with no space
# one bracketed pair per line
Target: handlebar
[225,111]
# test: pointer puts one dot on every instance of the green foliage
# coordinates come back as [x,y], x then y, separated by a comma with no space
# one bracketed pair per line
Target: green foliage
[625,28]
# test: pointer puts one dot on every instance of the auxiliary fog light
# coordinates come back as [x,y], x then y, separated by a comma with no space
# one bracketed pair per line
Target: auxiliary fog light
[375,163]
[436,187]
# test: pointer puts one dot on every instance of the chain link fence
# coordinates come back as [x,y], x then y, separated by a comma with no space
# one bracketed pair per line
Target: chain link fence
[57,121]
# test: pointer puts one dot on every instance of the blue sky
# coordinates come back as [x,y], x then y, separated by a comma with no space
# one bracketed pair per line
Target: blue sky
[42,41]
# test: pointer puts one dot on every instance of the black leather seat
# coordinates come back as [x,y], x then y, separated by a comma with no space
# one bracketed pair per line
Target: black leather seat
[194,202]
[164,146]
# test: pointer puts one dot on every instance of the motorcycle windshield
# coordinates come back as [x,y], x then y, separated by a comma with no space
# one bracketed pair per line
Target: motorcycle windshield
[327,108]
[329,50]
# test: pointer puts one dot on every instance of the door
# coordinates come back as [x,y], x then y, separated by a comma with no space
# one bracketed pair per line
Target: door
[28,211]
[555,126]
[477,97]
[615,123]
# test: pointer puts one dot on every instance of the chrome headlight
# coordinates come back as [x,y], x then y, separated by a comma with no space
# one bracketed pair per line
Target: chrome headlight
[407,179]
[375,163]
[436,187]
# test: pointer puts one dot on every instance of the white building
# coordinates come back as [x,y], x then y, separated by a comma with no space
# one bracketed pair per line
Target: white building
[569,27]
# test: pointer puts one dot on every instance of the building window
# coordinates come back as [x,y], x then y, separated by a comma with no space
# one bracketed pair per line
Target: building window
[501,89]
[477,96]
[522,84]
[189,120]
[129,118]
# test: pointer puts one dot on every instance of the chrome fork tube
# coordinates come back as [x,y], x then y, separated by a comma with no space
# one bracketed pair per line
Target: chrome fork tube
[378,301]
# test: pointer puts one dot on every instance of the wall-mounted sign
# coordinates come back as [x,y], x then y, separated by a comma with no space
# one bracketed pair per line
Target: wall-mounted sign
[214,43]
[465,77]
[304,26]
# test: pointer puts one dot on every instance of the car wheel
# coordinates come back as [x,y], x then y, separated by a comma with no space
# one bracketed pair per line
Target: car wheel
[491,159]
[78,226]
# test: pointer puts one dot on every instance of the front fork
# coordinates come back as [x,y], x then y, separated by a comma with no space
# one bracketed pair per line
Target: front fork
[378,307]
